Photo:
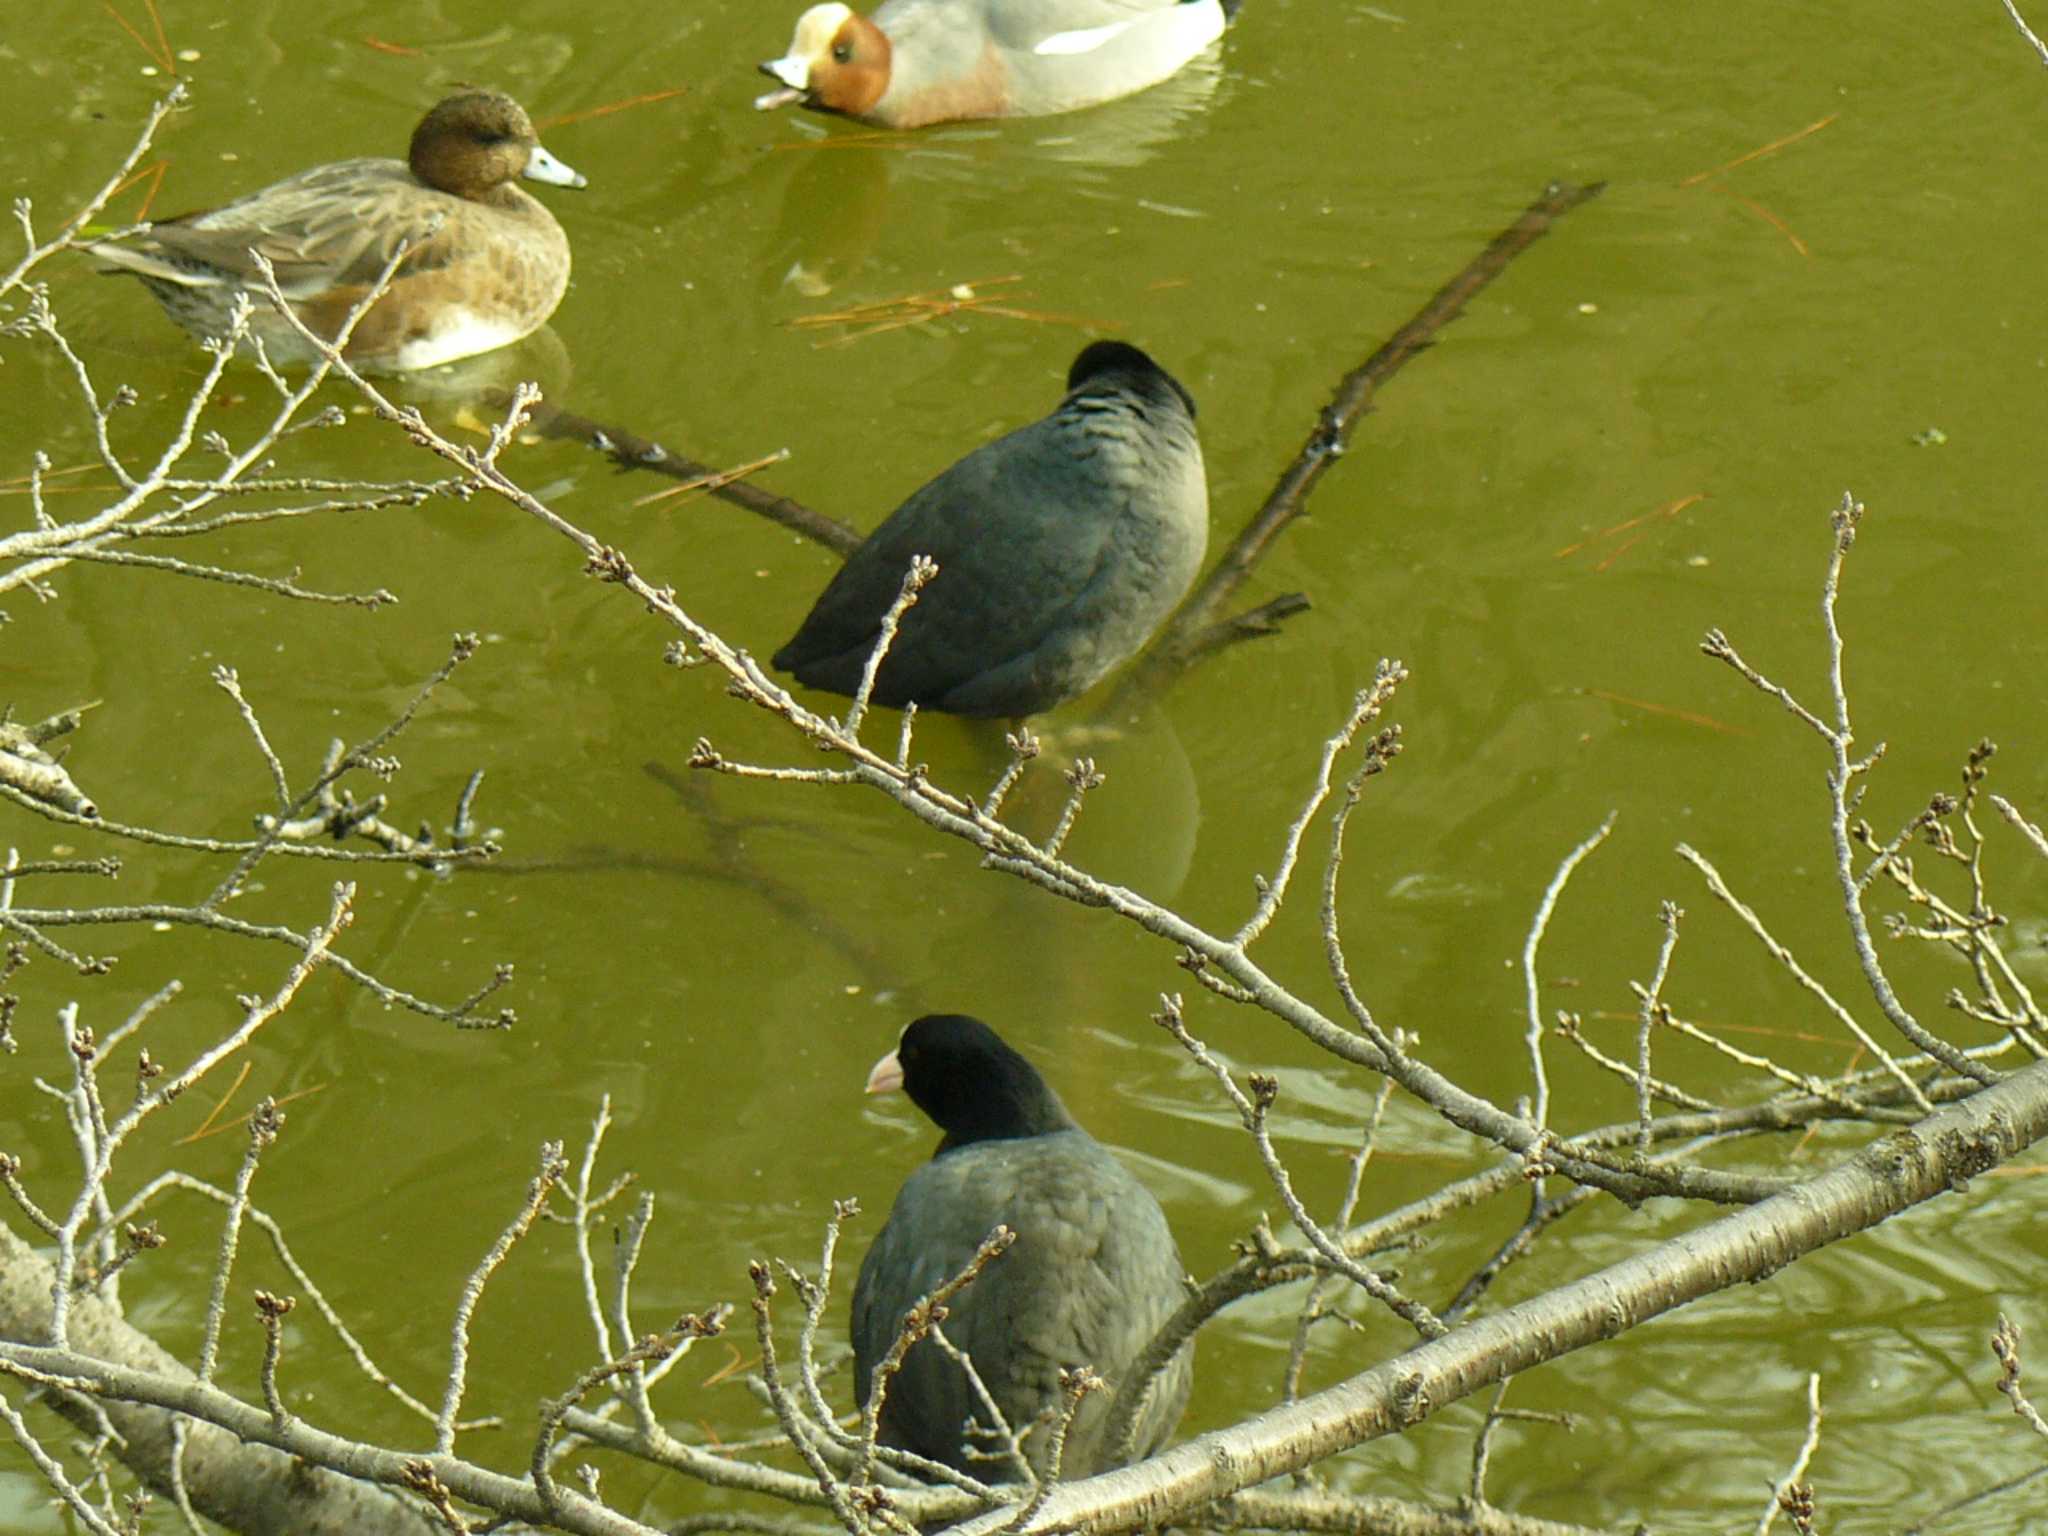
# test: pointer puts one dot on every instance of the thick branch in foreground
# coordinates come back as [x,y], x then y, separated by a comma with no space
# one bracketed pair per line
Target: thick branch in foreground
[251,1489]
[1941,1153]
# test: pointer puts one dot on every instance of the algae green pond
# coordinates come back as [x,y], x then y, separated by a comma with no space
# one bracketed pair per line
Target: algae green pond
[1634,436]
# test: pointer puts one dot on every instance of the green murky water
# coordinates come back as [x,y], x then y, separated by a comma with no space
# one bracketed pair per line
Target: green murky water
[725,959]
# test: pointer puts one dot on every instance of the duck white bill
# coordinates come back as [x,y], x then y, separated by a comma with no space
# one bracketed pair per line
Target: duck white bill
[793,70]
[542,166]
[887,1075]
[768,101]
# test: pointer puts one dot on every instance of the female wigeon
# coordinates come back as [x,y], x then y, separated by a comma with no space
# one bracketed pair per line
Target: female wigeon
[934,61]
[486,263]
[1060,548]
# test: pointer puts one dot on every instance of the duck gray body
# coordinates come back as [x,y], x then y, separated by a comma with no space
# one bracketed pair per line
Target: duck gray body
[1092,1276]
[1060,549]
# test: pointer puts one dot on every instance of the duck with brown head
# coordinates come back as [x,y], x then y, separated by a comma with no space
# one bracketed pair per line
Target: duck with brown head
[915,62]
[484,263]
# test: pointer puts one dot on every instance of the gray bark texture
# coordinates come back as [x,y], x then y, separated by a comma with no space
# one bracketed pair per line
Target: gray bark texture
[252,1489]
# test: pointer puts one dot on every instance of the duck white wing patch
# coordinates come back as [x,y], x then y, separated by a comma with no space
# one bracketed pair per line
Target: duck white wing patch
[1087,40]
[460,333]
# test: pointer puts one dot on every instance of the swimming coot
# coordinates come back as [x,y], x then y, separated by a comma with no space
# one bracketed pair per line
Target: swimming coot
[1092,1275]
[1060,548]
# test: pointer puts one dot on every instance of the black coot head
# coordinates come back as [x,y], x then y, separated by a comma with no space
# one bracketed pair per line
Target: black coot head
[1119,364]
[968,1082]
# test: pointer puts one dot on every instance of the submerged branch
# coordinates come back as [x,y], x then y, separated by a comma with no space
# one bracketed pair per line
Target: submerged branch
[1192,629]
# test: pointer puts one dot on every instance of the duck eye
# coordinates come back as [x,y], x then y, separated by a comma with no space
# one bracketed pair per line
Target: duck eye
[842,53]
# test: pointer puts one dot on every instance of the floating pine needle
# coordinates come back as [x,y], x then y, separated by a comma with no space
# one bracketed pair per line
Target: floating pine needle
[731,1368]
[1668,511]
[1757,154]
[158,51]
[20,485]
[206,1126]
[550,123]
[211,1128]
[280,1100]
[716,480]
[1766,1031]
[60,490]
[156,185]
[156,23]
[1706,722]
[1769,218]
[371,40]
[936,304]
[153,173]
[888,314]
[1619,550]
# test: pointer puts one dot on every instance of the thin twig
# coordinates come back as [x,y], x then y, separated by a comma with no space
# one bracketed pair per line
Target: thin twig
[1539,1113]
[1784,957]
[2026,31]
[1669,914]
[552,1168]
[1791,1495]
[2005,1345]
[1253,1110]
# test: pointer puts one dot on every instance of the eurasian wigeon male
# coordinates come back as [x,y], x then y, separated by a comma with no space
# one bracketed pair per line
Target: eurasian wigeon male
[1060,549]
[485,265]
[915,62]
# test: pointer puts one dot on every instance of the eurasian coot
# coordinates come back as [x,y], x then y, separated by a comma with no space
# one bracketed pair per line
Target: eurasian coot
[1060,548]
[1092,1274]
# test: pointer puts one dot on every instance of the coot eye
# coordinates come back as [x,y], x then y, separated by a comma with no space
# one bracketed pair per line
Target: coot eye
[842,53]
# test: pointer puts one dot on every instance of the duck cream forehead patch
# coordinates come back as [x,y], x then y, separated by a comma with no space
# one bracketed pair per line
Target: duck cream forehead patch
[816,28]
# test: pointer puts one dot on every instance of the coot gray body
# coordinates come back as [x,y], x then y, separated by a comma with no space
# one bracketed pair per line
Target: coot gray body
[1091,1277]
[1060,548]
